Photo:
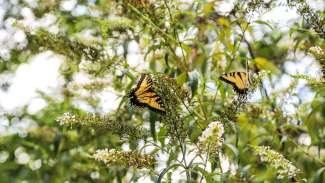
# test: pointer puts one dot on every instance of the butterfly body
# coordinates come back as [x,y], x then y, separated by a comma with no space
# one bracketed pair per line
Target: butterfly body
[239,80]
[144,96]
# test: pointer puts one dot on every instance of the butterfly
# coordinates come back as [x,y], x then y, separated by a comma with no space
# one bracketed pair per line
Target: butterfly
[144,96]
[239,80]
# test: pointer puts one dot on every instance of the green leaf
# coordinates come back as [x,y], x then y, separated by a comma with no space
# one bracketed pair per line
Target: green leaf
[162,136]
[207,175]
[161,175]
[265,64]
[261,22]
[153,117]
[232,148]
[194,81]
[318,176]
[182,78]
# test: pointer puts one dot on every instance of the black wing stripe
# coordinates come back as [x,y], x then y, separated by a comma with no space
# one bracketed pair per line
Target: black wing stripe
[223,78]
[239,77]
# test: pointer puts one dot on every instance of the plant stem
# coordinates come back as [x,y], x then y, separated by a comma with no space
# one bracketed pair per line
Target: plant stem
[205,162]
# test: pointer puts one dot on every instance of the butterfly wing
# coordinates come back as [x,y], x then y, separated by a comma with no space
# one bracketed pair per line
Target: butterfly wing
[143,85]
[143,95]
[152,100]
[239,81]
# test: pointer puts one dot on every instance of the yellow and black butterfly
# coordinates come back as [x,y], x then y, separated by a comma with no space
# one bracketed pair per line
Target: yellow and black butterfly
[239,80]
[144,96]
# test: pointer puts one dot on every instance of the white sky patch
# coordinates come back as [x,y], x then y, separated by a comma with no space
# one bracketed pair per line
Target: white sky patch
[68,5]
[80,78]
[279,17]
[80,10]
[120,50]
[27,13]
[4,125]
[135,58]
[316,4]
[41,73]
[283,82]
[224,7]
[35,105]
[109,100]
[47,20]
[179,52]
[283,14]
[12,37]
[19,36]
[304,139]
[255,96]
[211,87]
[2,12]
[308,65]
[20,126]
[184,4]
[289,104]
[226,165]
[303,64]
[306,94]
[185,37]
[83,105]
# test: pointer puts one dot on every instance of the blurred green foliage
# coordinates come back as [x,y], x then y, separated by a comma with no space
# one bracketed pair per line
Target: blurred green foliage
[186,46]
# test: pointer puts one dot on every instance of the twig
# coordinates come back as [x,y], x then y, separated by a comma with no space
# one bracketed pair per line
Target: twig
[205,162]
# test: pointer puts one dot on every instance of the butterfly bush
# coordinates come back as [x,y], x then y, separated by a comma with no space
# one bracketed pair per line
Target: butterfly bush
[67,119]
[283,166]
[99,122]
[124,158]
[211,138]
[317,51]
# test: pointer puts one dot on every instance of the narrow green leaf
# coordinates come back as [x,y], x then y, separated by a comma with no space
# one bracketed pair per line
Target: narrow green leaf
[152,119]
[261,22]
[207,175]
[161,175]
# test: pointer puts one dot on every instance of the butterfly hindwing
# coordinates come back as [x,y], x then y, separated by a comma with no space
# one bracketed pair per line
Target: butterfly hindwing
[239,81]
[144,96]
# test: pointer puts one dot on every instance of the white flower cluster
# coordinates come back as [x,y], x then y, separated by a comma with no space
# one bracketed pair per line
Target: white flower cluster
[67,119]
[124,158]
[317,51]
[283,166]
[256,79]
[211,138]
[101,155]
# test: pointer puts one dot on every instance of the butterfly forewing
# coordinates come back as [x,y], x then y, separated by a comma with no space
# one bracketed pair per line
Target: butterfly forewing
[228,78]
[144,84]
[239,81]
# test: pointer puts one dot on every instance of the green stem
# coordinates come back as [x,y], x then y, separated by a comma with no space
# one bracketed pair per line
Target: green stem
[205,162]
